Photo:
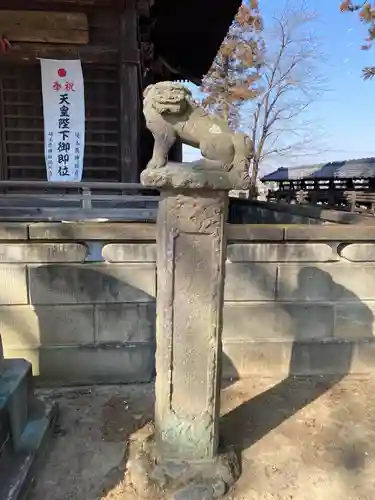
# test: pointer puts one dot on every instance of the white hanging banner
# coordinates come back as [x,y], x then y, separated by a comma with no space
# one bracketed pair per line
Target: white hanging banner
[64,119]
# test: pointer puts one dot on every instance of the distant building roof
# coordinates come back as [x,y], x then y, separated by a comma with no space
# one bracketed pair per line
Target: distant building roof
[362,168]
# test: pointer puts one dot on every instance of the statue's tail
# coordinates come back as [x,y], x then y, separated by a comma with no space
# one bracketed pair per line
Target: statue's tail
[243,151]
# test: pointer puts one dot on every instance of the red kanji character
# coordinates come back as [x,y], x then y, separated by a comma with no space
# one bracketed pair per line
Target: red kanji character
[56,86]
[69,87]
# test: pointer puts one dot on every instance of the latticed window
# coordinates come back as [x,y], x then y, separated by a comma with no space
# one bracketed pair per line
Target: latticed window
[21,124]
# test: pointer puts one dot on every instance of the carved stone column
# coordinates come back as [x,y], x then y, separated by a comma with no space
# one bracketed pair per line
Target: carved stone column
[190,264]
[191,248]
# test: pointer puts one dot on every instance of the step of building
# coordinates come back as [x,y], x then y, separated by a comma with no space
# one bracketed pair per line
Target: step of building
[18,474]
[25,425]
[15,398]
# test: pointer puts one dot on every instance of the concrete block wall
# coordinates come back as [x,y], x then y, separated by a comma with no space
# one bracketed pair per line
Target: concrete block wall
[300,301]
[77,304]
[78,300]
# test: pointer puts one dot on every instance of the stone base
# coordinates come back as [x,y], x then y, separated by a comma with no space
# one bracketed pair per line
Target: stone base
[154,479]
[25,425]
[201,174]
[18,470]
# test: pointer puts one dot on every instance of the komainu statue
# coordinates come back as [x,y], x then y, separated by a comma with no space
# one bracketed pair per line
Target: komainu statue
[171,113]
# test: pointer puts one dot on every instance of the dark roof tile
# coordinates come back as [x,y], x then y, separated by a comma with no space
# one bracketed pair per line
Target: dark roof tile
[362,168]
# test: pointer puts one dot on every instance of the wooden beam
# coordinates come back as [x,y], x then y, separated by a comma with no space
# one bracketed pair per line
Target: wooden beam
[29,52]
[129,98]
[47,27]
[143,6]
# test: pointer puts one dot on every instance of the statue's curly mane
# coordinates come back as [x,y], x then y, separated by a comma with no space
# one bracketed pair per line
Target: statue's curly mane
[171,98]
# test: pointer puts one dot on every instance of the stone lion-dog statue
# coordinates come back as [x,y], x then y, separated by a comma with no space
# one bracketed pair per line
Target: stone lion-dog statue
[170,113]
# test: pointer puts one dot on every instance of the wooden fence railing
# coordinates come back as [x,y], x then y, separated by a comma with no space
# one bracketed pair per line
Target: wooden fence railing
[47,201]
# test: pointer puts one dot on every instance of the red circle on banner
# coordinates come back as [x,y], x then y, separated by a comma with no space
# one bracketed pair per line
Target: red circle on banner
[61,72]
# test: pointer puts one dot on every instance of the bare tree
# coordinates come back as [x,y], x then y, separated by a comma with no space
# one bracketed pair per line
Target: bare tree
[279,125]
[234,73]
[367,16]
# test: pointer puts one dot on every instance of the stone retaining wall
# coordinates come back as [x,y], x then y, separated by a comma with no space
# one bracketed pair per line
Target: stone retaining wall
[77,304]
[78,300]
[302,302]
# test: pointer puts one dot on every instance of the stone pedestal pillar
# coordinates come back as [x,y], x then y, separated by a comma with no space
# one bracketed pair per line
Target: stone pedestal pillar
[190,275]
[191,248]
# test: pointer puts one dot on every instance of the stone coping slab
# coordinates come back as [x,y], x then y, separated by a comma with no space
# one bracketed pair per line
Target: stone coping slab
[146,232]
[13,231]
[126,231]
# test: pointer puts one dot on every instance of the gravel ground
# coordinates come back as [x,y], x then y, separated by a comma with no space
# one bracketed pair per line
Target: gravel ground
[300,438]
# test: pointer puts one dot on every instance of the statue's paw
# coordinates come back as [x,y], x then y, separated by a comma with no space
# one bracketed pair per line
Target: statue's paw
[154,164]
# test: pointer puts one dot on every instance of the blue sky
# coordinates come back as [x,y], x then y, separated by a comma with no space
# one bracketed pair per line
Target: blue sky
[346,112]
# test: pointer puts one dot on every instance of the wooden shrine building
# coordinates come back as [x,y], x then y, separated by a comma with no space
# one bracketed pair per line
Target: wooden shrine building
[124,45]
[348,185]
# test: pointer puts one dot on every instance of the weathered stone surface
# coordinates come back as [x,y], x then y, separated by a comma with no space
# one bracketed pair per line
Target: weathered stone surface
[171,114]
[13,231]
[280,359]
[277,321]
[13,284]
[299,282]
[262,359]
[125,323]
[363,356]
[93,364]
[24,326]
[193,176]
[130,252]
[280,252]
[355,320]
[359,252]
[94,283]
[42,252]
[250,281]
[190,272]
[153,478]
[92,231]
[249,359]
[340,282]
[254,232]
[321,358]
[195,492]
[25,429]
[343,232]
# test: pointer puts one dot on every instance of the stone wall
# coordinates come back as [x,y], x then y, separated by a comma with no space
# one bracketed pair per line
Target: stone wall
[301,302]
[78,300]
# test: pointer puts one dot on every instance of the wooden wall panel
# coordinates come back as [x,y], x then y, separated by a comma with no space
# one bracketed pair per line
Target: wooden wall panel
[47,27]
[23,123]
